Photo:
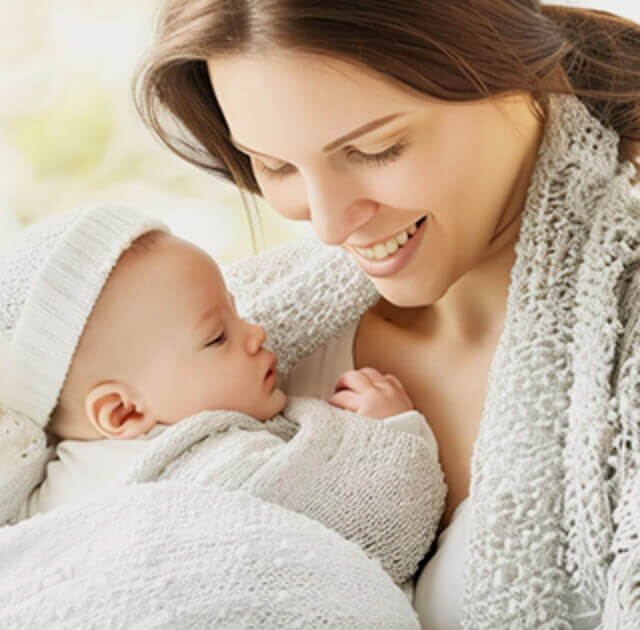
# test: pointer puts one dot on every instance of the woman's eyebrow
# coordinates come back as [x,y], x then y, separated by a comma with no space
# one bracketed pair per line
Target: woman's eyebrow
[360,131]
[352,135]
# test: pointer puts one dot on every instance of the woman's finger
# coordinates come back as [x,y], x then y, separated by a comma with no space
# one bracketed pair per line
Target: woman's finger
[354,380]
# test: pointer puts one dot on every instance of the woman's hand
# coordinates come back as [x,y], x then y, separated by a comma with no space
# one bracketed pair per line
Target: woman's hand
[369,393]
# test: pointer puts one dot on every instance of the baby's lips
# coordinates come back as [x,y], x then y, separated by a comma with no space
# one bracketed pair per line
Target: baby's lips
[273,364]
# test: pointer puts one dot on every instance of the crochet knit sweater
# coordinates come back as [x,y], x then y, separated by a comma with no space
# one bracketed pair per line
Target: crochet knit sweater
[555,481]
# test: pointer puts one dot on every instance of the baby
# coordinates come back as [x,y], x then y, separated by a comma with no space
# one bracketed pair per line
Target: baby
[126,345]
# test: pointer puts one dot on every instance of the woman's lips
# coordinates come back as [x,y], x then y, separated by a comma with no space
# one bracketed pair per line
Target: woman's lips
[382,241]
[398,260]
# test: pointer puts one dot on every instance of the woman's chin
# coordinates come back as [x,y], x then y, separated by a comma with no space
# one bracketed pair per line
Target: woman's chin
[403,295]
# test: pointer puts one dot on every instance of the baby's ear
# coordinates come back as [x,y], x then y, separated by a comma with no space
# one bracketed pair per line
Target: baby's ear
[113,410]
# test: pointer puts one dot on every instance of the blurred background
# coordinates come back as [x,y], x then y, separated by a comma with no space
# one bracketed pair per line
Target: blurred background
[69,134]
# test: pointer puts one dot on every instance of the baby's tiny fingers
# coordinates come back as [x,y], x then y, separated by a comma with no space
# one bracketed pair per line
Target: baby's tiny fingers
[345,399]
[372,374]
[353,379]
[395,380]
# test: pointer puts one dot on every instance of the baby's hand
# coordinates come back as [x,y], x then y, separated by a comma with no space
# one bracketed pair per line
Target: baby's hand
[369,393]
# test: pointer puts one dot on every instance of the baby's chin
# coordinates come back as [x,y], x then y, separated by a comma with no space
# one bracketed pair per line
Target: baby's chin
[281,399]
[276,402]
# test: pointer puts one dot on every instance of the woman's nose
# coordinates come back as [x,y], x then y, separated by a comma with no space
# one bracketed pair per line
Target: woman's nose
[255,338]
[336,211]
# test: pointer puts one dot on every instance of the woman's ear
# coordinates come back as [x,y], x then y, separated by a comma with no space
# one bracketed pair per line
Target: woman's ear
[114,411]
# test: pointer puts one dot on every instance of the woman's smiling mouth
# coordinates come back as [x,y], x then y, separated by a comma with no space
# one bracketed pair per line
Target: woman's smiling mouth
[391,256]
[383,250]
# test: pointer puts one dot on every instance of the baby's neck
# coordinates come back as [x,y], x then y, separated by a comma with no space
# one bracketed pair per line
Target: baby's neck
[65,424]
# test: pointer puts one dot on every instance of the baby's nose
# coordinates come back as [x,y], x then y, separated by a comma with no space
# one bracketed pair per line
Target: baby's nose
[257,337]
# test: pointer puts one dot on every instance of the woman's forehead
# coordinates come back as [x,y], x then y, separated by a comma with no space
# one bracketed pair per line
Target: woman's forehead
[268,101]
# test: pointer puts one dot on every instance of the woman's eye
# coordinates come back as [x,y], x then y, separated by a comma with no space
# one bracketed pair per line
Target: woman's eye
[218,340]
[286,169]
[383,157]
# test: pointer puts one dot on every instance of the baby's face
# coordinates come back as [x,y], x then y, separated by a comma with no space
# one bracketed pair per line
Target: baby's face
[171,316]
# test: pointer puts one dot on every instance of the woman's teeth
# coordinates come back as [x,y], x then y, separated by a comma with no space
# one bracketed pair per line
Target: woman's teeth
[384,250]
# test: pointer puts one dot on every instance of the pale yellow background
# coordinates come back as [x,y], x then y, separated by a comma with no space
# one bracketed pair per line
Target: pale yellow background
[69,134]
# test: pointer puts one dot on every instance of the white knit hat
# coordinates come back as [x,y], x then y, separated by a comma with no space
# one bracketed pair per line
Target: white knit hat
[51,275]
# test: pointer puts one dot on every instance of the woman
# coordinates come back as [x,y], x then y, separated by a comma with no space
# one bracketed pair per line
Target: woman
[475,159]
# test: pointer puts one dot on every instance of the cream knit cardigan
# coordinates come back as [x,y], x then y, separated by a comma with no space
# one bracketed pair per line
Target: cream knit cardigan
[555,488]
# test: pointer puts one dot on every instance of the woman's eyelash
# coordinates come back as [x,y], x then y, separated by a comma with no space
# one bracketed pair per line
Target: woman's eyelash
[274,172]
[384,157]
[219,339]
[381,159]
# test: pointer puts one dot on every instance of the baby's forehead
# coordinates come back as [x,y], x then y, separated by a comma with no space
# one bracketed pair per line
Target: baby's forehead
[171,260]
[148,242]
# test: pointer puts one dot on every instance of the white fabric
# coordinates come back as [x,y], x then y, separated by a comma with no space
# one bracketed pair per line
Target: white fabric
[82,469]
[439,589]
[380,488]
[170,555]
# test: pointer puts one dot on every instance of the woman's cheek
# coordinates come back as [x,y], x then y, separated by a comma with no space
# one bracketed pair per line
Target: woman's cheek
[287,198]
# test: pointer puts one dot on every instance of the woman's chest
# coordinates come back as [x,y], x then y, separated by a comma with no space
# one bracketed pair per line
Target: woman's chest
[447,384]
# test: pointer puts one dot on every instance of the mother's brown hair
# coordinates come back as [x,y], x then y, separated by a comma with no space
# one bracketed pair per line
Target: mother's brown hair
[456,50]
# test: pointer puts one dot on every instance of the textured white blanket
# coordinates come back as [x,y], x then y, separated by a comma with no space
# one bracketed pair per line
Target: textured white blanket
[175,555]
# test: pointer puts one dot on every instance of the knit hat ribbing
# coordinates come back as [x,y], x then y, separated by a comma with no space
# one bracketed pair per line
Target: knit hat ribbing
[51,276]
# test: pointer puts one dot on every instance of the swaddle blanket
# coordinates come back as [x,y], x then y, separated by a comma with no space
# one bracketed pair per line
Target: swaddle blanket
[174,555]
[377,487]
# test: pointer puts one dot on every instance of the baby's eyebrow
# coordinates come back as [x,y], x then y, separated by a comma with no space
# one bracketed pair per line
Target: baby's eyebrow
[205,318]
[211,312]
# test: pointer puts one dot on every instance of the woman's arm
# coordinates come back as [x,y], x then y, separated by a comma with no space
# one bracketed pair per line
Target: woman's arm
[303,293]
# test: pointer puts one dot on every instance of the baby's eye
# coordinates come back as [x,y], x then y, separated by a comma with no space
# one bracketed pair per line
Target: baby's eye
[218,340]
